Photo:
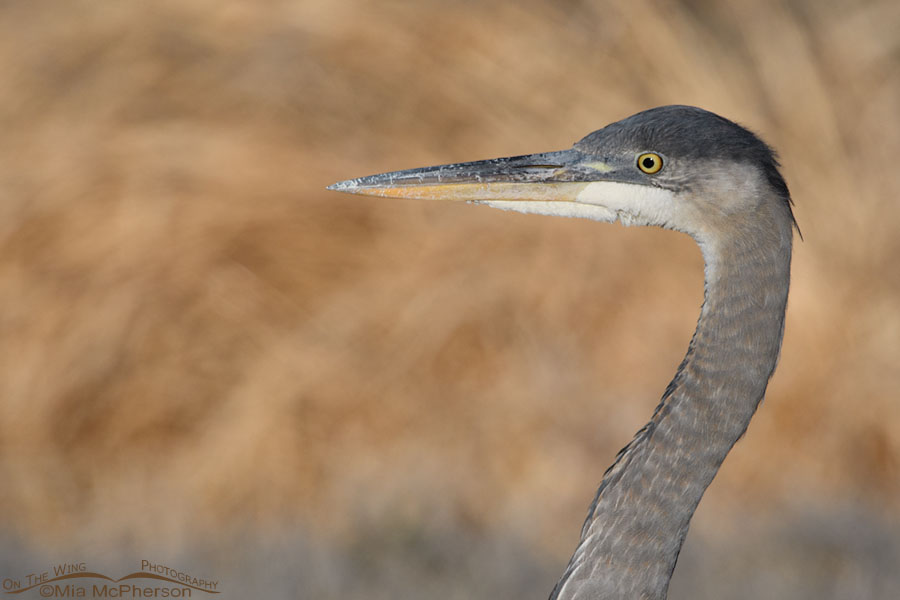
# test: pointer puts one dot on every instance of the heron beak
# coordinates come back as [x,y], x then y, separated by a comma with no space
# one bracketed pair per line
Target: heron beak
[546,177]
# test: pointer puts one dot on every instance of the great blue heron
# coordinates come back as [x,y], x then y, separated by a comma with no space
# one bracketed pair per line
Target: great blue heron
[680,168]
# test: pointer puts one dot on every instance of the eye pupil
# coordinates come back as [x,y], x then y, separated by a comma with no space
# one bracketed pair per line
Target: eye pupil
[649,162]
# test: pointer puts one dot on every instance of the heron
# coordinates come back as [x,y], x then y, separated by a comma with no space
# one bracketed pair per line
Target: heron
[689,170]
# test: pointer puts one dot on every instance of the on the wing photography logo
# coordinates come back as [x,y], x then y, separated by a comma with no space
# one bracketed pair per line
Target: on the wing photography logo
[75,580]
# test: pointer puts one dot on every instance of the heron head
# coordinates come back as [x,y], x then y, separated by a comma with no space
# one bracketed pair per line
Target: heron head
[677,167]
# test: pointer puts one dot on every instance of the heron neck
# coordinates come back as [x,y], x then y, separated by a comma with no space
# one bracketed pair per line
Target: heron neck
[637,523]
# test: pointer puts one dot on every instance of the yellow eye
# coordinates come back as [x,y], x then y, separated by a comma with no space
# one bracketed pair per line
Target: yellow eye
[650,162]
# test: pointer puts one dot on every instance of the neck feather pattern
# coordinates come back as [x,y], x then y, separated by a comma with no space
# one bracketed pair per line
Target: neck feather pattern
[640,516]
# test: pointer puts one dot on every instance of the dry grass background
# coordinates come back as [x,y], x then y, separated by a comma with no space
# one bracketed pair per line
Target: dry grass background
[208,358]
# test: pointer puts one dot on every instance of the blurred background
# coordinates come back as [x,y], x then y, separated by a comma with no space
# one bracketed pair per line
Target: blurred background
[209,361]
